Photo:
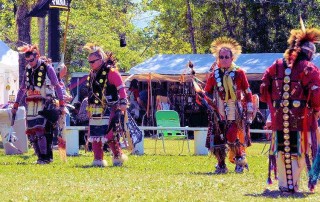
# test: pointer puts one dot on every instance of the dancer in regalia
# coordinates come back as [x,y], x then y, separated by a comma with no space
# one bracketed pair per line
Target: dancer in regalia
[230,93]
[42,112]
[106,103]
[291,87]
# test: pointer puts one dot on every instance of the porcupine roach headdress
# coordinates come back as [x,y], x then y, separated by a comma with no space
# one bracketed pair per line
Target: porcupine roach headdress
[92,49]
[29,48]
[111,59]
[34,50]
[301,39]
[226,42]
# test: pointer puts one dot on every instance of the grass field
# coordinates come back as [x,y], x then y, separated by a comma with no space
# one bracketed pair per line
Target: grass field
[151,177]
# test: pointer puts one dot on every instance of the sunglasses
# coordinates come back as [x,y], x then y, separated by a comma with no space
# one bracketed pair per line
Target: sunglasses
[31,60]
[93,61]
[223,57]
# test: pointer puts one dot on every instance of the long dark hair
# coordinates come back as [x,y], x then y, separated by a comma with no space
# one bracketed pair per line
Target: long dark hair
[134,84]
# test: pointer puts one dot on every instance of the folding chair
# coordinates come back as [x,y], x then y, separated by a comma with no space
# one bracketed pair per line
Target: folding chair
[170,118]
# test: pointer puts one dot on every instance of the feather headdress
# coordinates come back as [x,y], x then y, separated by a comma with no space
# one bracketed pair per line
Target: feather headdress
[299,37]
[93,48]
[226,42]
[110,59]
[28,48]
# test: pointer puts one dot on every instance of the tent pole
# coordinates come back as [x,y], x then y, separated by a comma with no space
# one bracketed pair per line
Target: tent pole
[151,101]
[183,99]
[78,89]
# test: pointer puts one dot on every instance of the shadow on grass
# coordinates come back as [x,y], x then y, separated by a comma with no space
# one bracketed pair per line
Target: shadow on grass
[166,154]
[25,157]
[14,163]
[278,194]
[106,167]
[21,156]
[88,166]
[204,173]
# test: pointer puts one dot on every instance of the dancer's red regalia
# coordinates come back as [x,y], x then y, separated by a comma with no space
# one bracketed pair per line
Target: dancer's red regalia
[291,87]
[232,97]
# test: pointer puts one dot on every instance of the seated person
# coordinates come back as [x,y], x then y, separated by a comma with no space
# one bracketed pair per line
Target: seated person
[257,123]
[82,119]
[268,127]
[142,101]
[74,110]
[162,101]
[133,94]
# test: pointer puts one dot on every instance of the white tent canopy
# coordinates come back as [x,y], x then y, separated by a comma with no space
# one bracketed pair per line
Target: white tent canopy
[166,65]
[9,72]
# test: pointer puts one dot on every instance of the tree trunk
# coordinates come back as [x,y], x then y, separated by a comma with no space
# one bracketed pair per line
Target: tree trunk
[191,28]
[42,35]
[224,7]
[264,36]
[23,26]
[245,28]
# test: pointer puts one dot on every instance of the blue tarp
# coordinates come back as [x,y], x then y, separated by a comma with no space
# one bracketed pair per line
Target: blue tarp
[255,63]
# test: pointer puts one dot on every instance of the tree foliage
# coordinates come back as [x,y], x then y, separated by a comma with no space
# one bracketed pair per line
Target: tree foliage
[7,21]
[97,21]
[259,25]
[102,22]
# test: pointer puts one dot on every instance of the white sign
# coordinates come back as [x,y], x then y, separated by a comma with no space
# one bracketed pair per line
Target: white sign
[63,4]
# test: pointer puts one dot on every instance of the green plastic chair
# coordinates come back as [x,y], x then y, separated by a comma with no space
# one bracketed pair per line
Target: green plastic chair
[170,118]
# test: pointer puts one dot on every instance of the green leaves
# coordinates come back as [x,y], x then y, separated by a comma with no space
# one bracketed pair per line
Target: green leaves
[259,26]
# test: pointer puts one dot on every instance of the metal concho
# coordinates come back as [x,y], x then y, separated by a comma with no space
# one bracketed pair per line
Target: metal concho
[287,71]
[296,103]
[285,110]
[286,87]
[287,149]
[286,143]
[285,103]
[286,136]
[286,79]
[285,95]
[287,155]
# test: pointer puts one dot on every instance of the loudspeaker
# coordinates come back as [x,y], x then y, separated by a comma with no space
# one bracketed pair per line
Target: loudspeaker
[123,42]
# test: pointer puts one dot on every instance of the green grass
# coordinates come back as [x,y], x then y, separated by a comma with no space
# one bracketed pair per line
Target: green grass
[160,177]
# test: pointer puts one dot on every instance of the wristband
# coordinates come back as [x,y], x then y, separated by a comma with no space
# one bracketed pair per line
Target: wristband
[15,105]
[61,103]
[123,101]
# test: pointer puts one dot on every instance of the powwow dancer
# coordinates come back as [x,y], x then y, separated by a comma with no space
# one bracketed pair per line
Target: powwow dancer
[227,86]
[41,106]
[291,87]
[106,95]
